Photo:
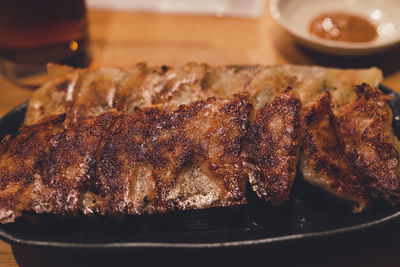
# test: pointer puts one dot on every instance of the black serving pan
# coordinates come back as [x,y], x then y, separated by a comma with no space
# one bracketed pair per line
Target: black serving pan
[309,215]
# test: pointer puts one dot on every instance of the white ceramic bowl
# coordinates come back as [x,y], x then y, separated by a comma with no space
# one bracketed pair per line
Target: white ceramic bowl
[295,16]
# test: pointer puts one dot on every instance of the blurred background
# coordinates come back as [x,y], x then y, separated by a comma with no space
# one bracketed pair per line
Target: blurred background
[101,33]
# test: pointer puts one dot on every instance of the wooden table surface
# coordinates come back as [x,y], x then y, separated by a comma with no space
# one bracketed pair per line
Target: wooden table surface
[122,38]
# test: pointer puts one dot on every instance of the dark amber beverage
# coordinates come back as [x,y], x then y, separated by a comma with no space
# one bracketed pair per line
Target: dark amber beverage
[35,32]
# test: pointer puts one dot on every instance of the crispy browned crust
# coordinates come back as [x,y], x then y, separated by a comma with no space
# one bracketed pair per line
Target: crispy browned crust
[186,159]
[151,161]
[323,162]
[365,128]
[273,146]
[18,162]
[65,167]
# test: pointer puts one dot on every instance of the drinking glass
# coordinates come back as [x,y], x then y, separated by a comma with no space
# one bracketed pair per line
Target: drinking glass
[35,32]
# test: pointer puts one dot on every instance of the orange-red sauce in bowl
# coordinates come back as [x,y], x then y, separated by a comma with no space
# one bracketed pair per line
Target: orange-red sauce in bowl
[343,27]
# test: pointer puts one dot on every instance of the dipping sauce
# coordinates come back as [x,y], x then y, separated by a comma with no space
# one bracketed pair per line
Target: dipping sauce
[343,27]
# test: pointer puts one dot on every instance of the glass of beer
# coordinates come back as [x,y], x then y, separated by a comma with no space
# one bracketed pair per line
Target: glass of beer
[35,32]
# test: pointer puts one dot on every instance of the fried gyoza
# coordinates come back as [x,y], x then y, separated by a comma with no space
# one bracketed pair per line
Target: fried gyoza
[84,93]
[187,159]
[323,162]
[18,162]
[154,139]
[370,144]
[100,90]
[273,148]
[65,168]
[117,164]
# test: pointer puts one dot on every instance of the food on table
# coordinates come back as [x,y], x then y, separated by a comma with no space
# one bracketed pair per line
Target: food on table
[156,139]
